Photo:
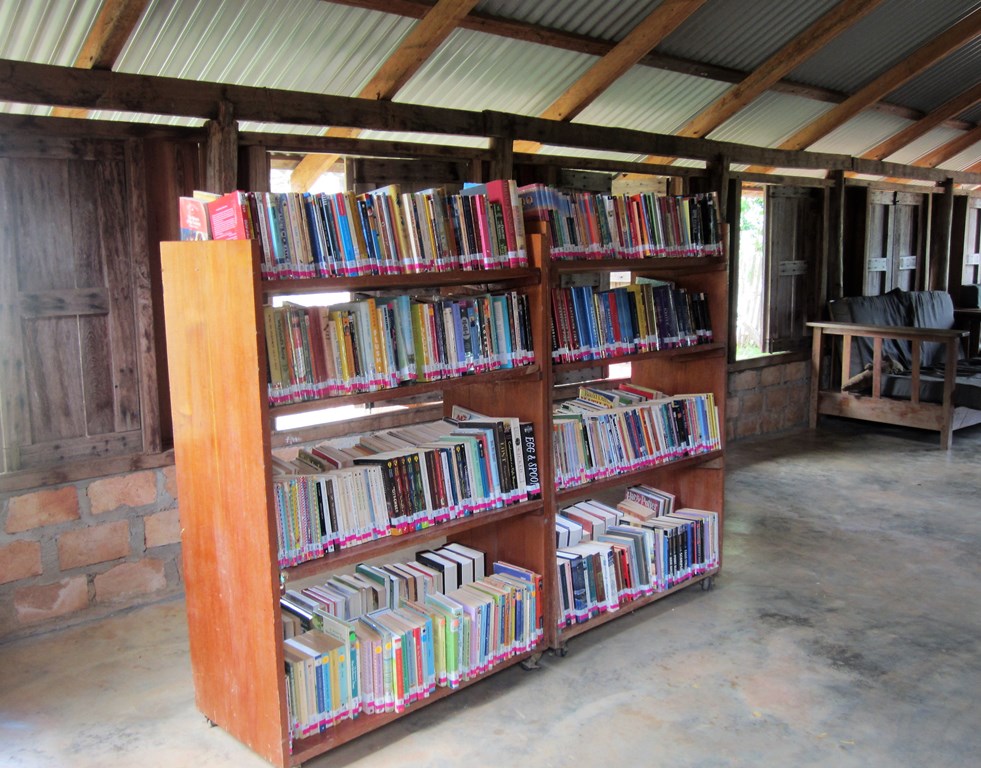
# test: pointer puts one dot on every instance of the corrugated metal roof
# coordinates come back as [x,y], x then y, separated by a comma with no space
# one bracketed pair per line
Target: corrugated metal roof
[238,41]
[610,20]
[770,119]
[648,99]
[591,153]
[879,41]
[862,132]
[965,159]
[728,32]
[926,143]
[478,71]
[972,115]
[44,32]
[942,81]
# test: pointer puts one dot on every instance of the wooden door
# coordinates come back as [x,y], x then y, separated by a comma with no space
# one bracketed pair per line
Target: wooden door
[71,296]
[895,241]
[793,244]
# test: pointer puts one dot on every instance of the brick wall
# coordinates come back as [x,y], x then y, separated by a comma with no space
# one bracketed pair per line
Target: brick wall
[768,399]
[86,549]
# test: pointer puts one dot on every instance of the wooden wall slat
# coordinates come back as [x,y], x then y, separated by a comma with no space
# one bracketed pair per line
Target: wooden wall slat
[41,225]
[97,385]
[64,302]
[92,447]
[54,378]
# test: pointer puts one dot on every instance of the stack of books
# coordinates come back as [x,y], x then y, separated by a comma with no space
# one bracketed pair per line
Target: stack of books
[400,480]
[603,433]
[380,343]
[399,648]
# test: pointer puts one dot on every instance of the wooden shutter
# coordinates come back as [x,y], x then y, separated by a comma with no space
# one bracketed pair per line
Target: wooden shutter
[895,241]
[965,243]
[794,241]
[74,303]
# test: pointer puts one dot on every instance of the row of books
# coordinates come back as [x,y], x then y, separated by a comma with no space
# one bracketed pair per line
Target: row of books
[379,343]
[382,232]
[607,557]
[399,480]
[391,656]
[644,225]
[590,324]
[602,433]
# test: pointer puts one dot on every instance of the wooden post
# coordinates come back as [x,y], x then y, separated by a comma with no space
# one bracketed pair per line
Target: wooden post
[940,235]
[501,146]
[718,178]
[221,151]
[836,237]
[254,168]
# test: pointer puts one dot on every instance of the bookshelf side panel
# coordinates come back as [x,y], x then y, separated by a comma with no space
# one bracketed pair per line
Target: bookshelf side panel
[221,445]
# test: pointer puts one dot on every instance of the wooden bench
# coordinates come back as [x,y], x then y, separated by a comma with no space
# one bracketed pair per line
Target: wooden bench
[943,417]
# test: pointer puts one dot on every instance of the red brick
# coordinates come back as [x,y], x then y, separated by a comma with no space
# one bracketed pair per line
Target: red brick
[19,559]
[775,399]
[772,375]
[162,528]
[170,481]
[93,545]
[32,510]
[128,579]
[733,406]
[134,490]
[39,603]
[751,405]
[772,422]
[744,380]
[747,426]
[800,371]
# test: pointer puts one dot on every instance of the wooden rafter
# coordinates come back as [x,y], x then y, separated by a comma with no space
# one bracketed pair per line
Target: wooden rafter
[784,61]
[925,124]
[949,149]
[112,27]
[950,40]
[661,22]
[417,46]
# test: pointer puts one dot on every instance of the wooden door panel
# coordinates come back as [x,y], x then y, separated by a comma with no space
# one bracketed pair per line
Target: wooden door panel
[54,378]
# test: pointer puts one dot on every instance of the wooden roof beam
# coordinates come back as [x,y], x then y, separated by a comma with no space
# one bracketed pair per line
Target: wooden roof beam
[417,46]
[953,38]
[925,124]
[784,61]
[949,149]
[111,29]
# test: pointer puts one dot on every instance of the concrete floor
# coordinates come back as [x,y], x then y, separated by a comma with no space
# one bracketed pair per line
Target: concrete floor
[843,631]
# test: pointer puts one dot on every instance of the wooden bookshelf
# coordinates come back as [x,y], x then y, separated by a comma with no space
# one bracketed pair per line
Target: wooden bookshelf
[697,481]
[213,299]
[224,437]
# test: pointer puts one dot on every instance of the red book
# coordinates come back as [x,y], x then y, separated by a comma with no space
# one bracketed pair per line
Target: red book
[195,223]
[228,217]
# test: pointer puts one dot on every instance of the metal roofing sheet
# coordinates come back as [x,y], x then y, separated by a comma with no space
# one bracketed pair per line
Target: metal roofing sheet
[879,41]
[862,132]
[942,81]
[965,159]
[591,153]
[729,33]
[926,143]
[609,20]
[478,71]
[769,119]
[238,41]
[648,99]
[972,115]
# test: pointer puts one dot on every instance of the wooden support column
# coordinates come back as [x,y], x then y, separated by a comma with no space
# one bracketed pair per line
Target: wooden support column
[836,237]
[221,151]
[718,172]
[501,146]
[254,168]
[940,238]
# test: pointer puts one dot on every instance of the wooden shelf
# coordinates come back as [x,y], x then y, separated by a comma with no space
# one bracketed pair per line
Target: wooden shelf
[403,283]
[699,350]
[646,475]
[371,549]
[522,373]
[346,730]
[677,264]
[569,632]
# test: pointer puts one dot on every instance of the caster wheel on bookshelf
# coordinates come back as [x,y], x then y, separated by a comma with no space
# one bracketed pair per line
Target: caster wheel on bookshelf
[562,650]
[532,662]
[706,584]
[211,723]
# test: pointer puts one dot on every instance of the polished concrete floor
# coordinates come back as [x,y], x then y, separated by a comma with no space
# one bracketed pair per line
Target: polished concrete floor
[845,630]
